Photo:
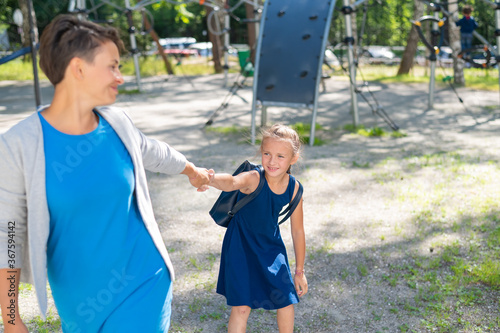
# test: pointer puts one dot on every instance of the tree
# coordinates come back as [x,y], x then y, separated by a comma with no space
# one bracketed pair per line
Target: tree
[25,9]
[454,35]
[217,45]
[412,42]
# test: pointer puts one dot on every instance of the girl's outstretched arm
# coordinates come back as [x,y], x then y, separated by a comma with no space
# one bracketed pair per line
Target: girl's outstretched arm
[246,182]
[299,246]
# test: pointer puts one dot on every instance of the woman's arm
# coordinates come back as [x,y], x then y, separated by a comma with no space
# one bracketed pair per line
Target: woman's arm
[9,300]
[299,247]
[13,231]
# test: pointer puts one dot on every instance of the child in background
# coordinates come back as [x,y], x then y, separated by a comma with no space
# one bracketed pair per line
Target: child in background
[254,270]
[467,26]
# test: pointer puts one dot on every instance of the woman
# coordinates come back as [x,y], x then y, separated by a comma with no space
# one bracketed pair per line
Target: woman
[74,202]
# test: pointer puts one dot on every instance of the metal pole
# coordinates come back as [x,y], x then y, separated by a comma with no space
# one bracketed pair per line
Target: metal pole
[349,40]
[256,71]
[133,44]
[80,7]
[227,28]
[497,33]
[432,58]
[34,61]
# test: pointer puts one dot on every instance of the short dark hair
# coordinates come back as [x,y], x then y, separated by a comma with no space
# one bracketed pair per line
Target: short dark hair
[467,10]
[67,37]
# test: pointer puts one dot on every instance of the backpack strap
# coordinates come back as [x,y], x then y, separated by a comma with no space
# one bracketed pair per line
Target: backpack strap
[238,205]
[293,204]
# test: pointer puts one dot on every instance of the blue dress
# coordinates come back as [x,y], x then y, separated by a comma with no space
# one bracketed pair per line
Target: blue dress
[105,273]
[254,269]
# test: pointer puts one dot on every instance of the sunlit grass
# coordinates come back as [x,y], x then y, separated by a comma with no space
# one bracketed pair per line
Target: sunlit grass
[154,65]
[149,66]
[19,70]
[482,79]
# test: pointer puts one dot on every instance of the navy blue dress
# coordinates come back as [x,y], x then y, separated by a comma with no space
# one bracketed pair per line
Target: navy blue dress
[254,269]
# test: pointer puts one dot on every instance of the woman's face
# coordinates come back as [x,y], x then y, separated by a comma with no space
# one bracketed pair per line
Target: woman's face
[102,76]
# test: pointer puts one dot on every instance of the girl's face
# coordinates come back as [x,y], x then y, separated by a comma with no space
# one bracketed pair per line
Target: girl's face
[277,156]
[103,76]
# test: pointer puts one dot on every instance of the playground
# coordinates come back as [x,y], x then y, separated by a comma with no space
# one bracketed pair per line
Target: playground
[401,180]
[389,221]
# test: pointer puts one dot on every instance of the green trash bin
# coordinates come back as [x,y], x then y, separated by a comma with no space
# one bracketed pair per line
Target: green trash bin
[245,63]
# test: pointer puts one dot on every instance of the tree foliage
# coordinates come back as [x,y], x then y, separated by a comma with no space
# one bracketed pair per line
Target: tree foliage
[388,22]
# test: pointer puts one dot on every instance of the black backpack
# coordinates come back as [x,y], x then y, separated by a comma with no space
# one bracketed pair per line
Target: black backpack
[226,205]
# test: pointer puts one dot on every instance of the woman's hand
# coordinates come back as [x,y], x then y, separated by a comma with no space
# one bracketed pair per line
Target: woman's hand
[211,175]
[200,179]
[300,283]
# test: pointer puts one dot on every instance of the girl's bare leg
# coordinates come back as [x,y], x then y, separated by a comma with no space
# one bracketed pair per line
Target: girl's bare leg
[238,319]
[285,319]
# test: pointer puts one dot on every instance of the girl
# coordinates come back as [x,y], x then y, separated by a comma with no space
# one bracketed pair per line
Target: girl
[254,271]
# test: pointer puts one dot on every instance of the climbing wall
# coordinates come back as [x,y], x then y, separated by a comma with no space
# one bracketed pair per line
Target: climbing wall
[290,51]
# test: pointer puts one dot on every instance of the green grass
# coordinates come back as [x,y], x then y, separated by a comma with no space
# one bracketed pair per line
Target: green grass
[152,65]
[19,70]
[302,129]
[51,324]
[462,265]
[483,79]
[372,132]
[149,66]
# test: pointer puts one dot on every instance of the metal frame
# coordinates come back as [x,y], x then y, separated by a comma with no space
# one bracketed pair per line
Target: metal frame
[265,104]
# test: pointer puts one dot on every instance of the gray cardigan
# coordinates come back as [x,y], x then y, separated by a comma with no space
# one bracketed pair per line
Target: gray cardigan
[23,198]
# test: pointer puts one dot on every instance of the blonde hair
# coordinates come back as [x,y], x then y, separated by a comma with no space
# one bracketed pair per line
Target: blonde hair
[282,133]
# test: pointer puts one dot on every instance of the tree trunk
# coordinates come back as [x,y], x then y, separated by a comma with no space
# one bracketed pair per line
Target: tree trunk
[251,31]
[217,45]
[412,42]
[23,5]
[454,32]
[147,25]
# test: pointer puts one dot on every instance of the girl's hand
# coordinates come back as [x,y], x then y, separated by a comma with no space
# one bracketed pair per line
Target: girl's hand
[300,283]
[211,175]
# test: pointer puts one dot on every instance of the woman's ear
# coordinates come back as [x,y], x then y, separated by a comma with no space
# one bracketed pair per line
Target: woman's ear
[294,160]
[76,68]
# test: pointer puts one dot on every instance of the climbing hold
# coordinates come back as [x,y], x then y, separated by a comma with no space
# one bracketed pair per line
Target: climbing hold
[281,13]
[306,36]
[270,87]
[303,74]
[314,17]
